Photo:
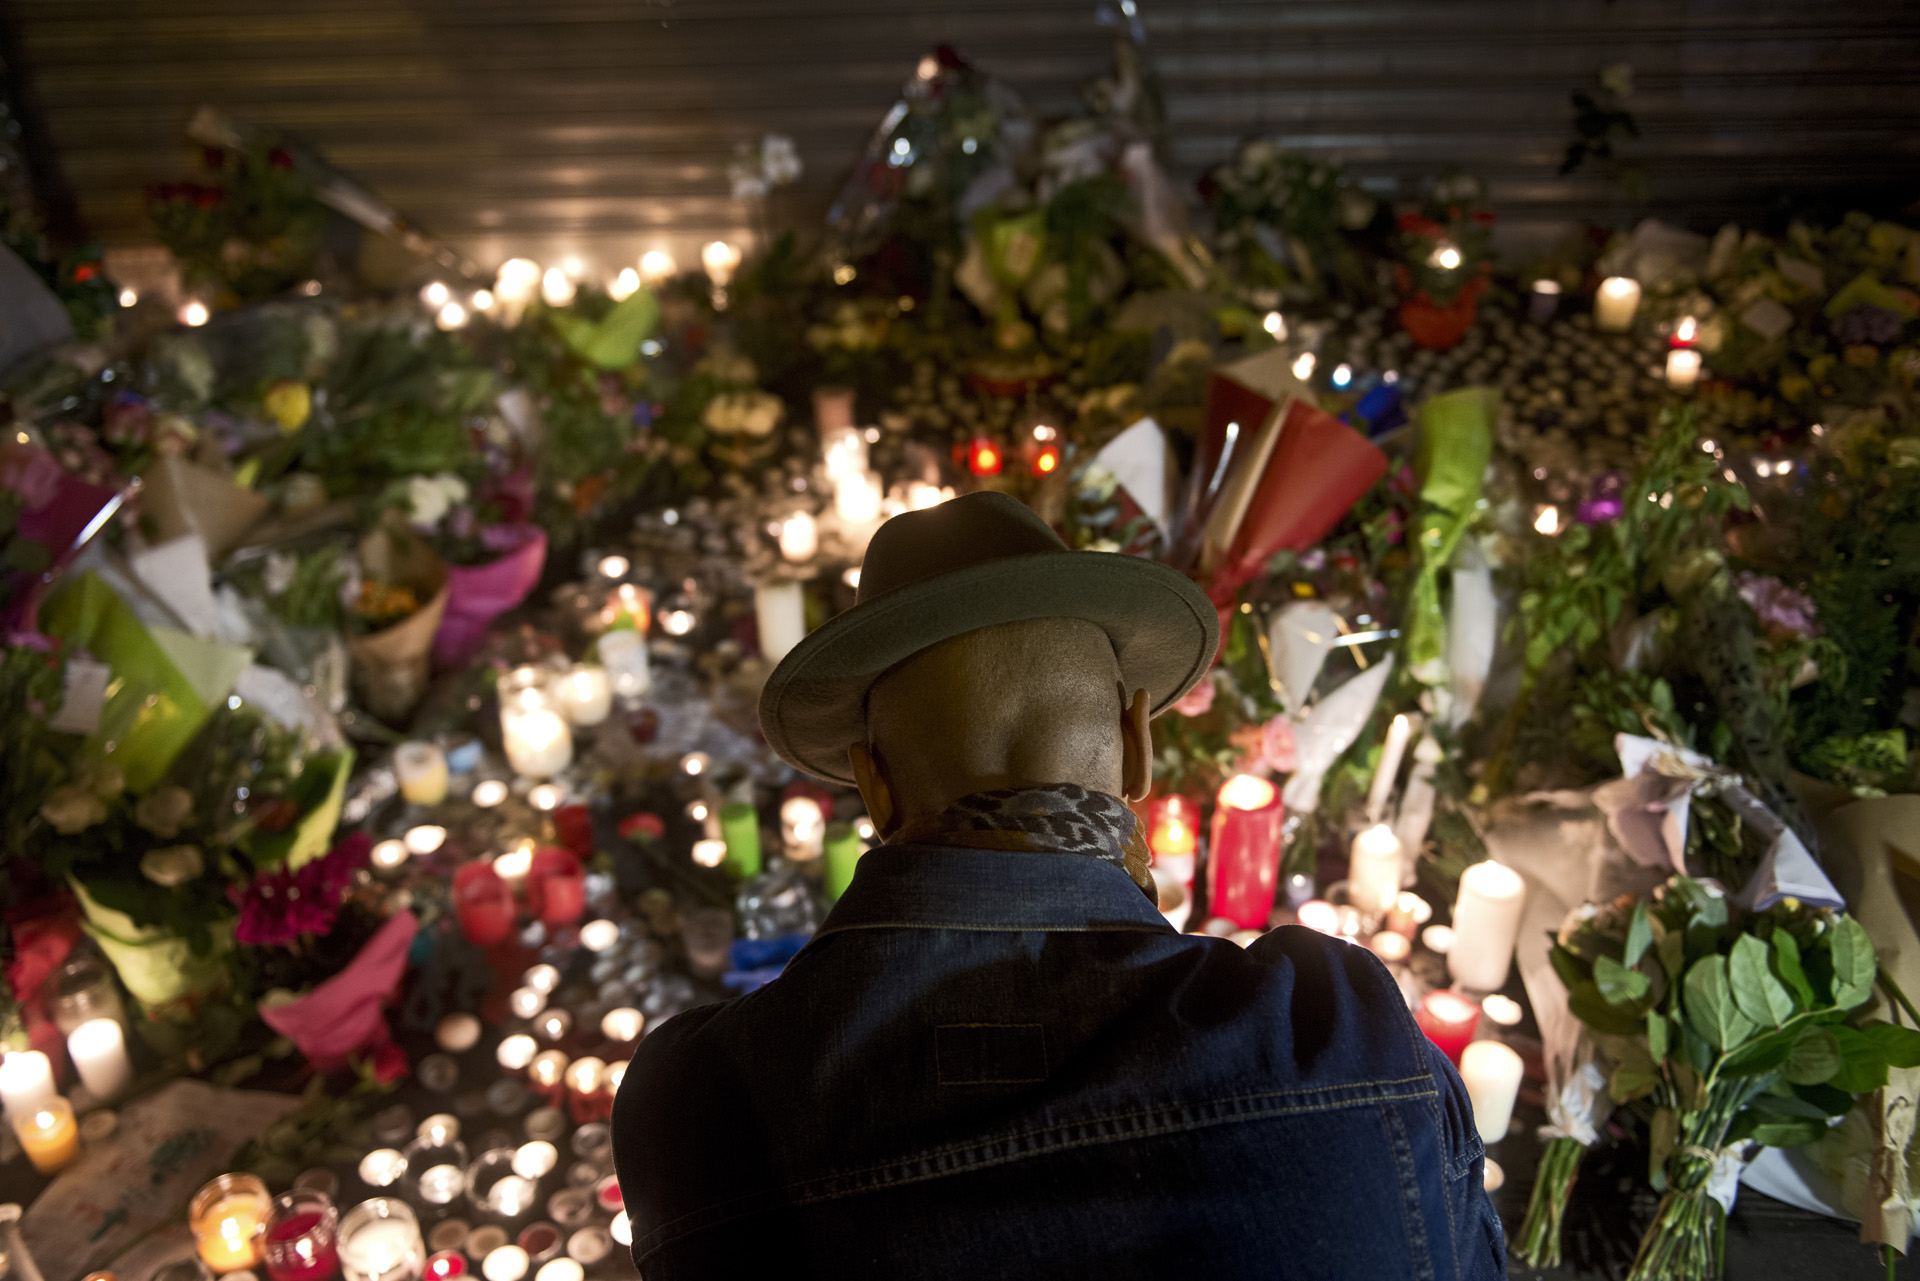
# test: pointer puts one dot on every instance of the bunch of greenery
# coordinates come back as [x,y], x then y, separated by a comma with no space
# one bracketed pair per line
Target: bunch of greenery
[252,231]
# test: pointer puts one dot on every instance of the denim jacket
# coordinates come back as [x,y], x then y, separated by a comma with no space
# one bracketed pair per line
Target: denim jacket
[998,1064]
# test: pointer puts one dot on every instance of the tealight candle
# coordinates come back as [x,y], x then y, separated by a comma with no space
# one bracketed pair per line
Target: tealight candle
[586,695]
[799,537]
[616,1073]
[547,1069]
[422,771]
[542,977]
[446,1265]
[511,1196]
[1448,1019]
[227,1217]
[554,1025]
[710,853]
[382,1167]
[585,1076]
[599,936]
[1683,368]
[1438,939]
[380,1241]
[535,1159]
[489,792]
[1173,835]
[1543,300]
[560,1270]
[98,1049]
[1502,1010]
[387,855]
[1390,947]
[546,796]
[516,1051]
[1486,923]
[1615,302]
[1409,913]
[537,741]
[440,1184]
[49,1134]
[1491,1072]
[802,828]
[621,1229]
[1373,870]
[622,1025]
[26,1079]
[441,1127]
[424,839]
[457,1032]
[508,1263]
[525,1002]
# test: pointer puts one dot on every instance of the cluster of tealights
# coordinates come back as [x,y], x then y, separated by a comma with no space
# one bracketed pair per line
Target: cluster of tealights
[43,1120]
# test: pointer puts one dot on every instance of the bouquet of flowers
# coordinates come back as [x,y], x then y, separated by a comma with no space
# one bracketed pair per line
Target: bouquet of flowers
[1738,1028]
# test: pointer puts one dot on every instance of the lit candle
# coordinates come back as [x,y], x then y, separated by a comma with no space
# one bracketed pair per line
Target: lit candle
[1319,915]
[387,855]
[560,1270]
[525,1002]
[446,1265]
[586,695]
[616,1073]
[227,1217]
[538,742]
[1486,923]
[26,1080]
[1409,913]
[740,829]
[516,1051]
[1373,869]
[380,1241]
[1613,306]
[1491,1073]
[1390,947]
[799,537]
[599,936]
[542,977]
[622,1025]
[382,1167]
[532,1160]
[983,457]
[710,853]
[1448,1019]
[802,828]
[1245,859]
[554,1024]
[546,796]
[301,1239]
[98,1049]
[48,1134]
[484,904]
[511,1196]
[547,1068]
[623,653]
[856,500]
[508,1263]
[422,771]
[1389,771]
[586,1076]
[1502,1010]
[424,839]
[440,1128]
[1438,939]
[1173,836]
[1543,300]
[441,1184]
[457,1032]
[843,848]
[1683,368]
[780,609]
[621,1229]
[489,792]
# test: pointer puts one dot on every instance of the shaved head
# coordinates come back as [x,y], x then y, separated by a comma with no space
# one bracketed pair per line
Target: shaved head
[1017,705]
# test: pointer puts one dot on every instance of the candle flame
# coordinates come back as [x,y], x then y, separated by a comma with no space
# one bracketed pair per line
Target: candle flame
[1247,792]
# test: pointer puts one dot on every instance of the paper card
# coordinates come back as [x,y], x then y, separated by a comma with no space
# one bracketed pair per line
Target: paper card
[86,694]
[165,1147]
[1138,459]
[1767,318]
[1328,730]
[1801,272]
[1299,639]
[177,573]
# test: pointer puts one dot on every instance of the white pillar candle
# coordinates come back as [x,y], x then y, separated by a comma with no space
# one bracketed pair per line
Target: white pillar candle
[1615,303]
[1683,368]
[1373,869]
[380,1241]
[26,1080]
[799,537]
[856,500]
[422,771]
[1486,922]
[780,607]
[98,1049]
[538,742]
[586,695]
[803,829]
[1491,1073]
[623,653]
[1389,771]
[844,450]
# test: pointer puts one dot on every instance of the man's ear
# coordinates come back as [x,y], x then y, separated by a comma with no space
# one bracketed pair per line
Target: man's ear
[1136,739]
[869,774]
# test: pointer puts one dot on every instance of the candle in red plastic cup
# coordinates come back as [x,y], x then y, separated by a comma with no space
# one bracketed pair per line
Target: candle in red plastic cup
[301,1241]
[484,904]
[556,887]
[1245,860]
[1449,1020]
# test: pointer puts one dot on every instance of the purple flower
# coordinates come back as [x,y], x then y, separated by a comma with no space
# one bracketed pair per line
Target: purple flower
[1781,610]
[1605,503]
[31,472]
[1868,324]
[276,908]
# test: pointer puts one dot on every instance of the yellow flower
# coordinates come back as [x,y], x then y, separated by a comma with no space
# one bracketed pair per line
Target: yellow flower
[289,403]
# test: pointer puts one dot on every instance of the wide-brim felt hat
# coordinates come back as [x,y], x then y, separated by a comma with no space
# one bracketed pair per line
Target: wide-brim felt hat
[973,562]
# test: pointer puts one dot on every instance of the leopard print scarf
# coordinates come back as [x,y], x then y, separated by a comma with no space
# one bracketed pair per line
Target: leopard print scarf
[1063,818]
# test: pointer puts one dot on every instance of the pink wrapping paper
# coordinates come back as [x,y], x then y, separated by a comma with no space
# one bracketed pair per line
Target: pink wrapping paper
[478,594]
[345,1013]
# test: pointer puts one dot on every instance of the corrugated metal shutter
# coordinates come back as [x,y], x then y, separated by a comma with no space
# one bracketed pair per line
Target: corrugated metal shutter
[604,127]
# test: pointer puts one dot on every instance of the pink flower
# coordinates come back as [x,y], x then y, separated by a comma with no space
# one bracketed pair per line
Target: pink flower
[1784,612]
[31,472]
[276,908]
[1197,701]
[1277,746]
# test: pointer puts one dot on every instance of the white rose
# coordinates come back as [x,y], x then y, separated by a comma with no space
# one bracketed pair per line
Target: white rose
[172,866]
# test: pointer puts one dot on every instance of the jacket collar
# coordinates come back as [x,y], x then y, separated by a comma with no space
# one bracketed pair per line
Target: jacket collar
[946,887]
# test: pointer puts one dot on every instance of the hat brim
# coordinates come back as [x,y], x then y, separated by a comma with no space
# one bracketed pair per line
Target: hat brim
[1164,630]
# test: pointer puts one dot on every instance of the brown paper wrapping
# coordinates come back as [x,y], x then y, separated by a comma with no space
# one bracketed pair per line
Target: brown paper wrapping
[185,498]
[391,666]
[1871,850]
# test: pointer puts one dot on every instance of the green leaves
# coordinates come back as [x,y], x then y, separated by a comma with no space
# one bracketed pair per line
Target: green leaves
[1639,936]
[1710,1007]
[1756,992]
[1786,963]
[1853,963]
[614,341]
[1814,1058]
[1618,984]
[1898,1046]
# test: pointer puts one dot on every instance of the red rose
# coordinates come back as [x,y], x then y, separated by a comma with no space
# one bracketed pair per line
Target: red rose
[85,271]
[642,826]
[280,158]
[389,1062]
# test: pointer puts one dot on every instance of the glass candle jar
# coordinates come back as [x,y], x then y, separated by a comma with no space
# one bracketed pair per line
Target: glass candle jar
[80,991]
[302,1237]
[227,1217]
[436,1169]
[494,1187]
[379,1240]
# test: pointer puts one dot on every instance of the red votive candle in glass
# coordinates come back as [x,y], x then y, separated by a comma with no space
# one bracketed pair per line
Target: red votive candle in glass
[301,1242]
[1245,859]
[484,904]
[1173,835]
[1449,1020]
[445,1265]
[556,887]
